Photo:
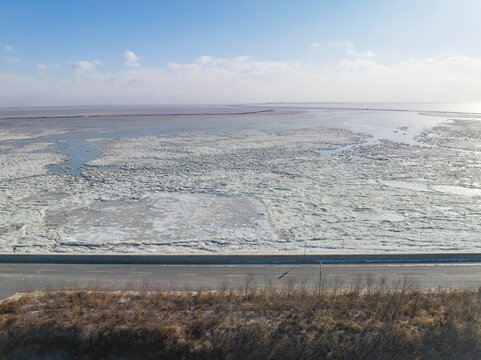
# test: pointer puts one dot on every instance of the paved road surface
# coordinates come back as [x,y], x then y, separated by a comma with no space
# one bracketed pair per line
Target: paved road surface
[27,277]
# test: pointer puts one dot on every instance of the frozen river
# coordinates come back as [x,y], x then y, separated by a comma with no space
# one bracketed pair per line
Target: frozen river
[276,178]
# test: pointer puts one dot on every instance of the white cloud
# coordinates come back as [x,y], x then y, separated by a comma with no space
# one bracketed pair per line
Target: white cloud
[9,48]
[42,67]
[238,64]
[349,49]
[183,67]
[354,53]
[353,65]
[314,44]
[210,60]
[427,61]
[84,66]
[130,59]
[242,79]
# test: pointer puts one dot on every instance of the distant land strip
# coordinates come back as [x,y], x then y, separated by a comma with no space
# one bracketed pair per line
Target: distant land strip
[239,259]
[420,111]
[126,115]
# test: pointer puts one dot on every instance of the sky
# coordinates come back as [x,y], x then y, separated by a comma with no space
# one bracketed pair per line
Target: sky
[216,52]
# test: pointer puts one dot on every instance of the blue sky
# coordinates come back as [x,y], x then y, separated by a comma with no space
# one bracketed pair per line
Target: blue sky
[89,52]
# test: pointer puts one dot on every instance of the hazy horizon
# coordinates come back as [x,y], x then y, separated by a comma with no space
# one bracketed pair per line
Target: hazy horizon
[71,110]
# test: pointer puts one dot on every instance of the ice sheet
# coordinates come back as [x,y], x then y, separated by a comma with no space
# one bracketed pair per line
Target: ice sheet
[333,181]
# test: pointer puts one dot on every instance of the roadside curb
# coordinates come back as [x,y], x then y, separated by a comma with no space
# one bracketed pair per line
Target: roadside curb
[239,259]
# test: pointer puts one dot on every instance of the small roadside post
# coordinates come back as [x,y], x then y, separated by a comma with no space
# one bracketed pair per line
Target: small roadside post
[320,277]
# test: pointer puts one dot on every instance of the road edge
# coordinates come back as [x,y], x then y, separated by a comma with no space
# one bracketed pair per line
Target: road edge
[237,259]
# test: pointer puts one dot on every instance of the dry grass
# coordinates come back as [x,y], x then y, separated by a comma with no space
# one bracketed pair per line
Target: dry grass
[373,321]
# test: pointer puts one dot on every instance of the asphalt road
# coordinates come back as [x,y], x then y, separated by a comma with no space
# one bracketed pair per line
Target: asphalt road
[30,277]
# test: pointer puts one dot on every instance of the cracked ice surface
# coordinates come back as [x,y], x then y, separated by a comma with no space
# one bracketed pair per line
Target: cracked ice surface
[27,161]
[250,191]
